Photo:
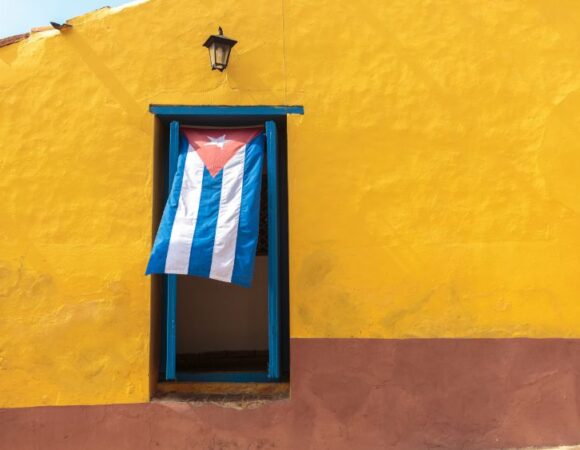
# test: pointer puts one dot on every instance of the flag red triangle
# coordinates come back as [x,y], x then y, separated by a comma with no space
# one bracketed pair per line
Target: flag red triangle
[216,146]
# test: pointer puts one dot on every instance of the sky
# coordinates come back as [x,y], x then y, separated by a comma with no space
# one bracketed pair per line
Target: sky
[18,16]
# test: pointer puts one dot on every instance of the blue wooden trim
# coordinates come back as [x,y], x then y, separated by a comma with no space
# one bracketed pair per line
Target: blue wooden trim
[173,152]
[273,253]
[171,284]
[163,328]
[224,377]
[170,332]
[223,110]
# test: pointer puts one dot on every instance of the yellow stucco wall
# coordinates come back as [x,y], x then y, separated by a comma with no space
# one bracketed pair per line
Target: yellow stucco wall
[433,179]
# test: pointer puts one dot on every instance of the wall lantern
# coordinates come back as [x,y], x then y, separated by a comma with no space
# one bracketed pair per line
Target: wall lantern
[219,48]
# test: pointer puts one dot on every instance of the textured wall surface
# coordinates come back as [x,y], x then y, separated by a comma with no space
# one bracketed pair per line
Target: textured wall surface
[432,180]
[472,394]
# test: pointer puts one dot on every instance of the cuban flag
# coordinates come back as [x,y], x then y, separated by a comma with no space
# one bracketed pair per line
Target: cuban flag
[210,223]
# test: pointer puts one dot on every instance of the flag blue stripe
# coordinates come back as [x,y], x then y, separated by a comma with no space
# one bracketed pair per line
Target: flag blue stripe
[161,245]
[249,222]
[204,236]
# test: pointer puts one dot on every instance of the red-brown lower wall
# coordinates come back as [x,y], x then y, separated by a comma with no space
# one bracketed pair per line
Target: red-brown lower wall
[352,394]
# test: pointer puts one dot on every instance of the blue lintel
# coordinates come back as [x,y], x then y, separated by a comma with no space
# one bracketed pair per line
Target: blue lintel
[225,110]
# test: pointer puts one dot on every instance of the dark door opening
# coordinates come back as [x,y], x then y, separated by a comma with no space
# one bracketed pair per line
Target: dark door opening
[223,327]
[215,331]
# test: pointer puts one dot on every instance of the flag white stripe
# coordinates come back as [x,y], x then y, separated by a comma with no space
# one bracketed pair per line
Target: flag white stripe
[224,249]
[183,229]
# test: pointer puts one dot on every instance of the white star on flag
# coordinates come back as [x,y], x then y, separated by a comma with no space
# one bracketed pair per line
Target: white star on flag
[219,141]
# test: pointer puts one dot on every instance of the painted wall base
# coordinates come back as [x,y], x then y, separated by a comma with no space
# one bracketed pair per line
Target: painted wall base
[352,394]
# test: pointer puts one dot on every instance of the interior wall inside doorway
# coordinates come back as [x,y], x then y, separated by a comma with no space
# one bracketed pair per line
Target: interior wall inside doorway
[215,316]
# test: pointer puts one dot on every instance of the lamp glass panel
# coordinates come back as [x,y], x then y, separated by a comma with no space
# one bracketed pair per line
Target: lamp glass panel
[227,50]
[211,49]
[220,55]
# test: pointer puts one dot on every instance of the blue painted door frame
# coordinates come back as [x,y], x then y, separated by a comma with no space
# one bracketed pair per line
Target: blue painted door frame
[171,280]
[274,344]
[273,253]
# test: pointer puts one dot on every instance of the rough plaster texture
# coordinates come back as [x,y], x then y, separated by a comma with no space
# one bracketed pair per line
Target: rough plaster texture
[432,180]
[475,394]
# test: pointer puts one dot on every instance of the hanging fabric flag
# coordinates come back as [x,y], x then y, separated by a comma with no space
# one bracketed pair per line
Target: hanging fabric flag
[210,223]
